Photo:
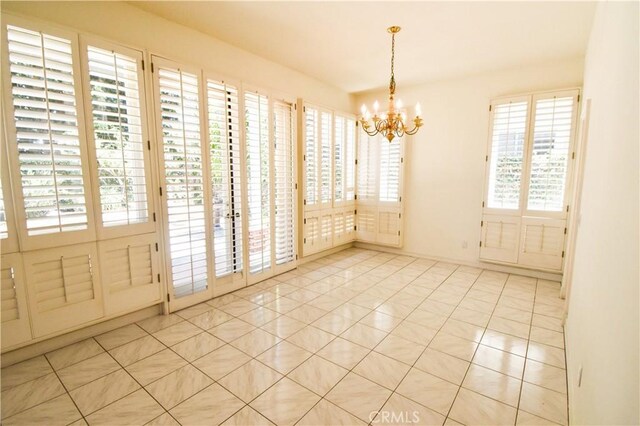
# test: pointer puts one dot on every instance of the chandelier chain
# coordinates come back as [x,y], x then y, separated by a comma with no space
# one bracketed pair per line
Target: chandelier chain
[392,83]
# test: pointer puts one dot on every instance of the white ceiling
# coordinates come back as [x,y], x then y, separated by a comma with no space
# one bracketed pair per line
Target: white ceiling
[346,43]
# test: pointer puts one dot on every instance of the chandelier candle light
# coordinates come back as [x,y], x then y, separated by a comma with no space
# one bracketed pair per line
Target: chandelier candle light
[392,123]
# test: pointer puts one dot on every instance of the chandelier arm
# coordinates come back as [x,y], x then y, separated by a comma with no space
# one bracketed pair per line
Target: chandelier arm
[413,131]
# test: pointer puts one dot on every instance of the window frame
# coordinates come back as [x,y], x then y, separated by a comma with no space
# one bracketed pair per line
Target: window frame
[10,244]
[107,232]
[33,242]
[531,99]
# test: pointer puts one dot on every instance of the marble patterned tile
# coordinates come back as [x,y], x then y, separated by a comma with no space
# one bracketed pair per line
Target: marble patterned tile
[259,316]
[343,352]
[177,333]
[221,362]
[285,403]
[306,313]
[546,354]
[497,360]
[283,305]
[455,346]
[311,339]
[463,329]
[472,408]
[25,371]
[512,314]
[74,353]
[163,420]
[504,342]
[103,391]
[194,310]
[546,376]
[255,342]
[333,323]
[495,385]
[197,346]
[551,323]
[135,408]
[326,413]
[382,370]
[158,322]
[547,337]
[472,317]
[414,332]
[528,419]
[247,416]
[239,307]
[443,365]
[232,329]
[400,349]
[507,326]
[88,370]
[210,319]
[402,411]
[29,394]
[318,374]
[179,385]
[428,390]
[358,396]
[545,403]
[155,366]
[381,321]
[250,380]
[57,411]
[364,335]
[135,351]
[284,357]
[283,326]
[210,406]
[120,336]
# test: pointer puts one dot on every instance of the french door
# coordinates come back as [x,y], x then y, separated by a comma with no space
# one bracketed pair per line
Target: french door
[227,187]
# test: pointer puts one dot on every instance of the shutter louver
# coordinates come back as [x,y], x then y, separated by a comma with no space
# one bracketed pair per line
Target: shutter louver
[367,227]
[507,154]
[326,230]
[542,243]
[311,156]
[350,159]
[47,135]
[118,133]
[349,226]
[500,238]
[389,190]
[367,168]
[325,159]
[338,227]
[284,180]
[4,229]
[129,272]
[258,181]
[552,127]
[312,234]
[184,179]
[226,171]
[63,281]
[15,316]
[339,159]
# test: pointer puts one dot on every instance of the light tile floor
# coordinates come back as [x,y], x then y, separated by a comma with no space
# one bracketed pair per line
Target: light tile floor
[353,338]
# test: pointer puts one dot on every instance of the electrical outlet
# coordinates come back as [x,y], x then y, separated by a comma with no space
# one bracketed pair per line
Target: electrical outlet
[580,377]
[464,244]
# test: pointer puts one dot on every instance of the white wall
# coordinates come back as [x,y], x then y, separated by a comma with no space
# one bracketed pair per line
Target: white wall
[602,329]
[444,172]
[118,21]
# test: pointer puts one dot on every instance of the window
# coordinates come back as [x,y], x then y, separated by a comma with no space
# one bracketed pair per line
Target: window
[284,180]
[48,142]
[530,148]
[115,93]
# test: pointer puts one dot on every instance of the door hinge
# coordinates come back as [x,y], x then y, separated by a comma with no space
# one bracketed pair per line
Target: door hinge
[304,109]
[296,257]
[296,186]
[481,223]
[159,281]
[489,107]
[567,207]
[167,297]
[355,197]
[304,241]
[355,228]
[356,161]
[573,155]
[154,216]
[578,98]
[486,158]
[305,221]
[398,233]
[480,243]
[304,157]
[356,123]
[149,145]
[399,215]
[161,191]
[304,202]
[355,211]
[295,106]
[402,160]
[156,246]
[563,253]
[565,231]
[151,66]
[400,199]
[143,65]
[483,204]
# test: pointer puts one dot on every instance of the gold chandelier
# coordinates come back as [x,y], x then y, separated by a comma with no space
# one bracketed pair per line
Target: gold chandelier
[392,123]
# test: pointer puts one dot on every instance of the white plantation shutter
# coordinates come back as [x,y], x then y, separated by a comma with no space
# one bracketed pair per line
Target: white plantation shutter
[326,230]
[226,172]
[552,135]
[4,228]
[350,225]
[508,133]
[542,242]
[326,189]
[183,161]
[368,149]
[258,181]
[311,229]
[115,86]
[366,219]
[339,159]
[64,287]
[311,159]
[500,238]
[338,227]
[130,272]
[48,141]
[390,158]
[15,315]
[284,181]
[350,159]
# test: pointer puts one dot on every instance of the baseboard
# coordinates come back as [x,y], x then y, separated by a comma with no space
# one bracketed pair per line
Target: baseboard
[321,254]
[53,343]
[483,265]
